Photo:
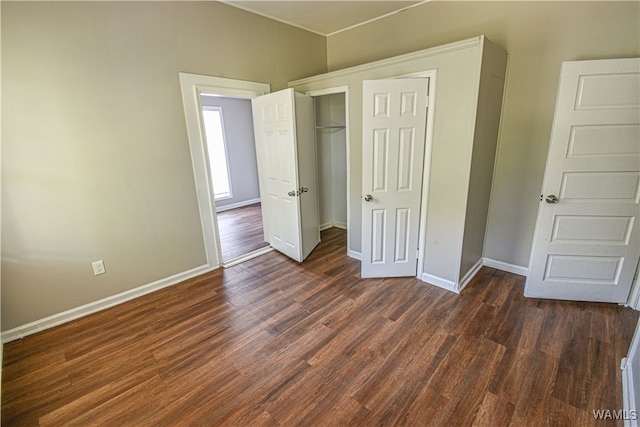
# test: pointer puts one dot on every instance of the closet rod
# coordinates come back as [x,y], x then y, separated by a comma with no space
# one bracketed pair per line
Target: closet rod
[331,127]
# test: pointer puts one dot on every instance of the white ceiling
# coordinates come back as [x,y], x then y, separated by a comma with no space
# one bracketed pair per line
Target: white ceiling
[325,17]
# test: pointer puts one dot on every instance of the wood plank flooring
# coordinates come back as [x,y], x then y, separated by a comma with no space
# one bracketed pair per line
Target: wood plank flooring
[271,342]
[241,231]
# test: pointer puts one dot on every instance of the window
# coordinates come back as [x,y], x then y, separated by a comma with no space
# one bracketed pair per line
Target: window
[217,151]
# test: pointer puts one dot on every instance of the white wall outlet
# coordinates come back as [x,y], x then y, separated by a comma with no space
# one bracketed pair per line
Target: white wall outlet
[98,267]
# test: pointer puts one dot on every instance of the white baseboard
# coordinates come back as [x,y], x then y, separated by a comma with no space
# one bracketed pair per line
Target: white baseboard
[248,256]
[451,285]
[471,274]
[510,268]
[339,224]
[325,226]
[634,296]
[440,282]
[628,393]
[237,205]
[93,307]
[1,361]
[355,255]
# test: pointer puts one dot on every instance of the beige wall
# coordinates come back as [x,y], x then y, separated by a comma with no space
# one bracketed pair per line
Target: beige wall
[95,156]
[538,37]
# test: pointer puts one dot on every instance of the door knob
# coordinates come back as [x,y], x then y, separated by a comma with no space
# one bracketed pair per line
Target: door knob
[551,199]
[368,198]
[292,193]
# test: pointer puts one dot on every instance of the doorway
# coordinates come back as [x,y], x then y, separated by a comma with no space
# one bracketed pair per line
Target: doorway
[332,145]
[193,86]
[233,170]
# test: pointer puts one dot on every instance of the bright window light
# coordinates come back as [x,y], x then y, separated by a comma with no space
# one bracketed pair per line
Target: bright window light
[217,150]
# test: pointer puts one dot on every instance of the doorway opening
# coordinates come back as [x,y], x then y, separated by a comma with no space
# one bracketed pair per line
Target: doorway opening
[331,149]
[193,87]
[233,170]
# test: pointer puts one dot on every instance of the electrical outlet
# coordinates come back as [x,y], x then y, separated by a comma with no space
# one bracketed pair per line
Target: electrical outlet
[98,267]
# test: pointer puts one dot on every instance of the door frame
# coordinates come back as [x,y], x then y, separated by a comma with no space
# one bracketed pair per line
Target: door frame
[332,91]
[432,75]
[192,85]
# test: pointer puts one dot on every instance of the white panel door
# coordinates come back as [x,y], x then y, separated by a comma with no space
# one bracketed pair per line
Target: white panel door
[275,135]
[586,242]
[393,141]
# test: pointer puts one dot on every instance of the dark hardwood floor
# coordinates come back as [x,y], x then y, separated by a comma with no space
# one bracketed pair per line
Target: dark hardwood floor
[241,231]
[274,342]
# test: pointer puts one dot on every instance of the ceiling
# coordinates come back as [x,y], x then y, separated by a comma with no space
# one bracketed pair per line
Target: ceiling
[324,17]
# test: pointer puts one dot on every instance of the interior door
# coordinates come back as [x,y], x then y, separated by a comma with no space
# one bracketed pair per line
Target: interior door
[586,242]
[276,136]
[393,139]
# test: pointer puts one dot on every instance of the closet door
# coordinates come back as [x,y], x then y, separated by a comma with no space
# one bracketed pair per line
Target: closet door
[281,190]
[393,140]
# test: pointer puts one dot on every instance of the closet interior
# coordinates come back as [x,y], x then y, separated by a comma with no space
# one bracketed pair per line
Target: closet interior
[331,142]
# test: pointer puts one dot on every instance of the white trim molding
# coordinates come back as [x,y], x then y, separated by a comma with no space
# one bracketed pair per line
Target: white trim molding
[400,59]
[248,256]
[326,226]
[471,274]
[355,254]
[630,367]
[237,205]
[629,392]
[440,282]
[634,295]
[450,285]
[339,224]
[466,279]
[94,307]
[510,268]
[192,86]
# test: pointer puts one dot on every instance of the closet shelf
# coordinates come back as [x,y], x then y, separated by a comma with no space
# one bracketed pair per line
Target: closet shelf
[331,127]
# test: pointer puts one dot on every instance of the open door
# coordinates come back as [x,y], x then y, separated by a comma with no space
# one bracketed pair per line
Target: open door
[285,148]
[393,142]
[586,242]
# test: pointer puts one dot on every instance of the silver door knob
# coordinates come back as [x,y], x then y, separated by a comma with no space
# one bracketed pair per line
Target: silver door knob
[551,199]
[368,198]
[292,193]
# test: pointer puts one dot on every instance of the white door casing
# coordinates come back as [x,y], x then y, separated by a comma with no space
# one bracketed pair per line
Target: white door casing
[192,86]
[281,190]
[394,127]
[587,242]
